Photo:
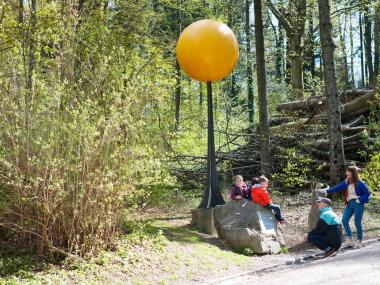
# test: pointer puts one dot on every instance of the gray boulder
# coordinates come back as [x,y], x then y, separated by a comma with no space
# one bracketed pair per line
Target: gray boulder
[244,224]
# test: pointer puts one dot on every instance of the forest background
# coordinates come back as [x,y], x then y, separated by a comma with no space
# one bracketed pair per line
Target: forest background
[98,122]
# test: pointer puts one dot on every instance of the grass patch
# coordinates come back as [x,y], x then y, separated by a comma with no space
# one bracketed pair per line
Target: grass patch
[152,252]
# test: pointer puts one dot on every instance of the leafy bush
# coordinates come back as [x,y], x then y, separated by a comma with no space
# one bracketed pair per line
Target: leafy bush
[371,172]
[79,137]
[296,172]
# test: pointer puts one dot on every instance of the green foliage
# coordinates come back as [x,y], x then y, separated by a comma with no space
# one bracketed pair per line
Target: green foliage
[371,138]
[371,172]
[284,249]
[248,251]
[86,141]
[297,170]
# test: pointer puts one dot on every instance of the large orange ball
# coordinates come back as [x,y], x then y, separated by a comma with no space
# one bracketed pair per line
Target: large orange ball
[207,50]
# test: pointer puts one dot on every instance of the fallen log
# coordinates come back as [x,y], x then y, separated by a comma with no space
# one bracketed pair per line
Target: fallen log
[358,106]
[354,130]
[355,136]
[349,145]
[354,123]
[280,120]
[317,153]
[318,103]
[351,94]
[309,104]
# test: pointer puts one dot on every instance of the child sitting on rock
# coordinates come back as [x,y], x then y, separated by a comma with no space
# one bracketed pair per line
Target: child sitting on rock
[239,189]
[260,196]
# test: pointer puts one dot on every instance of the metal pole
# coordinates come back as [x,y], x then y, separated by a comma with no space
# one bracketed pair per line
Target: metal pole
[212,195]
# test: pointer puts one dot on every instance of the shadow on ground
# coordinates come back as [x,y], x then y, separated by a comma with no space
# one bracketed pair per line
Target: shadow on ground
[19,264]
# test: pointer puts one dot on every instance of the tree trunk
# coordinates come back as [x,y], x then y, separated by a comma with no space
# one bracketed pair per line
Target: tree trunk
[261,90]
[21,12]
[342,36]
[336,150]
[352,55]
[311,47]
[362,67]
[279,53]
[368,44]
[287,70]
[251,110]
[178,74]
[376,33]
[295,30]
[177,95]
[296,66]
[200,94]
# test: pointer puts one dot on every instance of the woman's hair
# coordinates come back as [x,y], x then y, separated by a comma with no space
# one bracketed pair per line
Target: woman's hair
[355,174]
[238,176]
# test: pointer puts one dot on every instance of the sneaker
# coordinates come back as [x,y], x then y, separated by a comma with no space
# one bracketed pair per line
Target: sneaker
[283,222]
[349,242]
[358,244]
[330,252]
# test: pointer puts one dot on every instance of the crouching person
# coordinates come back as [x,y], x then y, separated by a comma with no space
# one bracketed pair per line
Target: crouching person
[327,235]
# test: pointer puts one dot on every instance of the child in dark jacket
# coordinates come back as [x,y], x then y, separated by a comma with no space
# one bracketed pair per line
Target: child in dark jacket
[254,182]
[260,196]
[239,189]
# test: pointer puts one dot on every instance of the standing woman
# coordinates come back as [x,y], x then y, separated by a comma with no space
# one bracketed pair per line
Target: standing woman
[356,194]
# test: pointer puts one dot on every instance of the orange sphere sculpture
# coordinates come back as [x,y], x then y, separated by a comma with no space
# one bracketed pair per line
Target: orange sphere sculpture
[207,50]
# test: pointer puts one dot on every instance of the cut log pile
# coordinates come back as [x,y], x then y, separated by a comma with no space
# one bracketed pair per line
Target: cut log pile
[300,125]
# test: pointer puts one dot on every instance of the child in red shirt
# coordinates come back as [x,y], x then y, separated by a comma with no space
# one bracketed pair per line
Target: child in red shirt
[260,196]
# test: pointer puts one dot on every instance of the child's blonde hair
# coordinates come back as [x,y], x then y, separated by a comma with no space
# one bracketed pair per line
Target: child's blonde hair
[238,176]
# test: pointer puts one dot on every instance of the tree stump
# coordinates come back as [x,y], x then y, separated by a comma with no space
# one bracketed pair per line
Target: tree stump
[318,190]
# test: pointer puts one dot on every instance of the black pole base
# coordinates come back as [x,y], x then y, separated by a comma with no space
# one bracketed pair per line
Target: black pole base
[211,195]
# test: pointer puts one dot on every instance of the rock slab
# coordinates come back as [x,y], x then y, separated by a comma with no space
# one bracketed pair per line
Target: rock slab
[203,220]
[244,224]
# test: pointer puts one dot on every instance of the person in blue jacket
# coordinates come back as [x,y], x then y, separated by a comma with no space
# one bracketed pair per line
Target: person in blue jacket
[356,194]
[327,234]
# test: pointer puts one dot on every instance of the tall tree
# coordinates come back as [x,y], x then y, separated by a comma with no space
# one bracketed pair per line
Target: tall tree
[178,72]
[334,117]
[342,37]
[251,108]
[352,54]
[376,38]
[362,65]
[200,94]
[261,90]
[279,41]
[177,95]
[368,42]
[310,53]
[293,20]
